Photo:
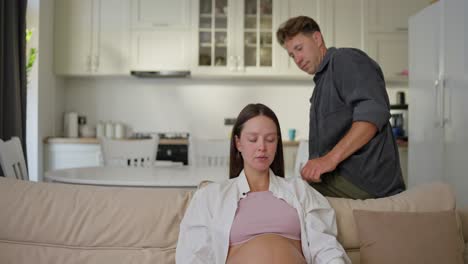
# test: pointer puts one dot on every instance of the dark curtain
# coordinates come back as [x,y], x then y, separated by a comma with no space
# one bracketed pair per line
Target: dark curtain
[13,70]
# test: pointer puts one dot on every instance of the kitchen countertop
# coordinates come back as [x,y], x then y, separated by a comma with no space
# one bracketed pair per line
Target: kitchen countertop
[62,140]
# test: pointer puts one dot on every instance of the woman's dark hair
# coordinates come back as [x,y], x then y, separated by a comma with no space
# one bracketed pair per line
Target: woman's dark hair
[236,162]
[294,26]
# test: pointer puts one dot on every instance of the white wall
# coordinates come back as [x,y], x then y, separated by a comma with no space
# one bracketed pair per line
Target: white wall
[45,91]
[198,106]
[32,19]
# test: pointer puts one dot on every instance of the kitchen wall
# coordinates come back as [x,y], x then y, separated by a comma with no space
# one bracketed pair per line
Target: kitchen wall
[196,105]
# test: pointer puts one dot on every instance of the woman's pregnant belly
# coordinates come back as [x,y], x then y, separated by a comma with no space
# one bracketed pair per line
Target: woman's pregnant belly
[267,248]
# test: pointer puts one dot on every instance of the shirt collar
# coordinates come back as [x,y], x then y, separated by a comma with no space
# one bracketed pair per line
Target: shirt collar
[243,184]
[326,59]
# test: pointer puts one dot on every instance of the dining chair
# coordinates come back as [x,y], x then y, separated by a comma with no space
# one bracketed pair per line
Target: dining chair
[209,152]
[129,152]
[302,157]
[12,159]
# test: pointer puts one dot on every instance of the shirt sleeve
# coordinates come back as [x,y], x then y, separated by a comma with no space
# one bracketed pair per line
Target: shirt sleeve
[193,245]
[361,83]
[321,228]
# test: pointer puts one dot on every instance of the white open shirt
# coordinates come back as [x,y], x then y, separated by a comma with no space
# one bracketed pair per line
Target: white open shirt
[205,228]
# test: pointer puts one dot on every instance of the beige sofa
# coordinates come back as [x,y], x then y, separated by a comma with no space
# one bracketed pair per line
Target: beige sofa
[60,223]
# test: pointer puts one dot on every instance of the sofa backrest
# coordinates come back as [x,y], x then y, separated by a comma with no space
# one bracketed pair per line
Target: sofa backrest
[60,223]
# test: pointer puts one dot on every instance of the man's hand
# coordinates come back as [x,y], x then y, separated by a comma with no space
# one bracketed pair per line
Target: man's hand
[360,133]
[314,168]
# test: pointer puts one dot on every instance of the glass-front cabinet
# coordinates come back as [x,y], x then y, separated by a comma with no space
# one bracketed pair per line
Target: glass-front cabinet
[213,33]
[258,33]
[236,36]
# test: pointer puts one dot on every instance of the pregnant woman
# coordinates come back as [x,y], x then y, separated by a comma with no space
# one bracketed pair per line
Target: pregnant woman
[258,216]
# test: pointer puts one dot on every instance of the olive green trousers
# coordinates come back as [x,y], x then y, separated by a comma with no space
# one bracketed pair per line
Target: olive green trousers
[335,185]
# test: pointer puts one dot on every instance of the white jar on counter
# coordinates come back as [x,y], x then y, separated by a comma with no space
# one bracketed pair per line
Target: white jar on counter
[109,129]
[100,129]
[71,124]
[119,130]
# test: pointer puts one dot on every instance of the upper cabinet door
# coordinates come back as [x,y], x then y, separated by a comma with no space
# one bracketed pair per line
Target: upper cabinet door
[111,56]
[73,37]
[390,16]
[160,14]
[213,36]
[289,9]
[160,35]
[257,34]
[343,23]
[91,37]
[235,37]
[159,50]
[390,50]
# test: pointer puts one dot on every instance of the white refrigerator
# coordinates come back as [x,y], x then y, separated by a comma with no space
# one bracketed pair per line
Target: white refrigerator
[438,96]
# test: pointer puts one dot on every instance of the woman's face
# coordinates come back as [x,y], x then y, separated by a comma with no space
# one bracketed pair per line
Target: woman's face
[257,143]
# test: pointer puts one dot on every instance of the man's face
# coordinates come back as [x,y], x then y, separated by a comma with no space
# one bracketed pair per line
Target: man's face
[306,51]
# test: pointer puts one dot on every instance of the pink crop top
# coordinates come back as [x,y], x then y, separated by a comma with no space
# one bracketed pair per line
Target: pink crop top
[260,213]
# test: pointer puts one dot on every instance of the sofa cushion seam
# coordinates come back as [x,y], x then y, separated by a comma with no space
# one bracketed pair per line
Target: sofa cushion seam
[80,247]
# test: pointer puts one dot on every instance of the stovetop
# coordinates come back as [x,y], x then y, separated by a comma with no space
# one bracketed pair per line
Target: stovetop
[162,135]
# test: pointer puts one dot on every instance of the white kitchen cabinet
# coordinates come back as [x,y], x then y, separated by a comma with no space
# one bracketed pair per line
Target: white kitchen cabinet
[236,37]
[65,155]
[91,37]
[438,88]
[289,157]
[387,34]
[289,9]
[160,35]
[154,14]
[392,16]
[343,23]
[160,50]
[390,50]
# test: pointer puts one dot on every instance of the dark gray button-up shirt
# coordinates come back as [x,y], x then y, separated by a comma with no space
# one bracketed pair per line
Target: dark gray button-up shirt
[349,86]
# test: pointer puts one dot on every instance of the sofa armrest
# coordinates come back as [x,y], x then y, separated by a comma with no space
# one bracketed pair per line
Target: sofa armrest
[463,213]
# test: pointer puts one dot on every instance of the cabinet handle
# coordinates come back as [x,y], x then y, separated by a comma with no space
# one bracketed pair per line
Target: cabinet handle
[160,24]
[436,103]
[443,117]
[401,29]
[96,63]
[88,63]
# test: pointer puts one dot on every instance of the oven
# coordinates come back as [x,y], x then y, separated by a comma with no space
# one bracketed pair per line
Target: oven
[173,146]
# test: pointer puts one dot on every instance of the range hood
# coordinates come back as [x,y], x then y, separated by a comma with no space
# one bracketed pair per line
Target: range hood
[160,74]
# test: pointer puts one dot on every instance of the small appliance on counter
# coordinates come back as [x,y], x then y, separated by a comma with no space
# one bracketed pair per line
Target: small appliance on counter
[173,146]
[399,117]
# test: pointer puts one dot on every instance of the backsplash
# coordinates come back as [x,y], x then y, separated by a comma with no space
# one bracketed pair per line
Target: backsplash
[193,105]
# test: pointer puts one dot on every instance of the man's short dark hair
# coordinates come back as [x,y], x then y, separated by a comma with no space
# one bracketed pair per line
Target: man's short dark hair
[294,26]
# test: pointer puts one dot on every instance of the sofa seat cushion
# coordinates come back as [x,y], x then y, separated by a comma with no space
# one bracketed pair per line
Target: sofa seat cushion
[406,238]
[424,198]
[25,252]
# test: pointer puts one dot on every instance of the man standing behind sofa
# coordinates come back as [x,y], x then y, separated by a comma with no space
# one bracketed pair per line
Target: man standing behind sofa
[352,151]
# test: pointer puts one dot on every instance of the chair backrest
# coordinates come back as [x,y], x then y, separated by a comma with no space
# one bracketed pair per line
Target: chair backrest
[12,159]
[129,153]
[209,152]
[302,157]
